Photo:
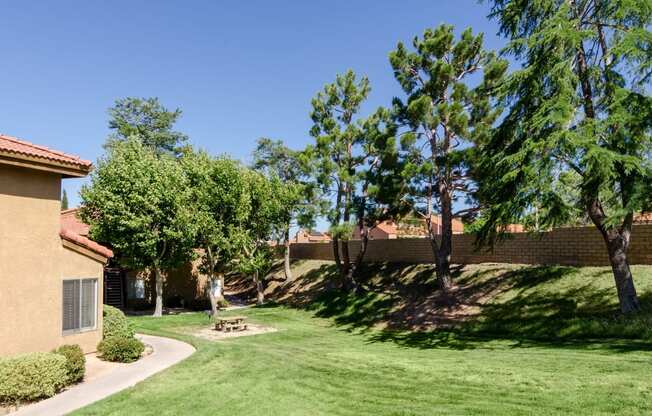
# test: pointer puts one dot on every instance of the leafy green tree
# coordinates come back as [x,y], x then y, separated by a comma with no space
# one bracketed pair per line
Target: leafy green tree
[300,200]
[579,103]
[443,118]
[64,201]
[220,206]
[149,121]
[267,216]
[139,203]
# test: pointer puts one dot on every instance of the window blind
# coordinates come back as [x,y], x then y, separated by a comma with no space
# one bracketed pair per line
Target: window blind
[70,305]
[88,303]
[79,304]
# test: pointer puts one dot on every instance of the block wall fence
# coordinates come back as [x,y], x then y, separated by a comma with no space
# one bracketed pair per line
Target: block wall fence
[577,246]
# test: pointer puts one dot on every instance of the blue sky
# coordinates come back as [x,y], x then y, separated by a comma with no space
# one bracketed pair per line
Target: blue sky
[238,70]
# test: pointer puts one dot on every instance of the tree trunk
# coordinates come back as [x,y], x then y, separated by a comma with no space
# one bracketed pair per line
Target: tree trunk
[443,270]
[623,276]
[158,309]
[617,241]
[446,243]
[220,278]
[346,259]
[286,259]
[213,299]
[351,280]
[346,217]
[442,263]
[336,253]
[260,292]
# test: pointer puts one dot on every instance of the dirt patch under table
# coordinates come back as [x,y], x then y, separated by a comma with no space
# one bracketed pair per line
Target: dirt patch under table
[211,334]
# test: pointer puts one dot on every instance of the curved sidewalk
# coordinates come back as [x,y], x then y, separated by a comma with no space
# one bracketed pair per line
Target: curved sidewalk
[166,352]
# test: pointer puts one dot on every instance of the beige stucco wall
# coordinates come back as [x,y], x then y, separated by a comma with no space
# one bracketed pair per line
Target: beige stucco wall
[33,264]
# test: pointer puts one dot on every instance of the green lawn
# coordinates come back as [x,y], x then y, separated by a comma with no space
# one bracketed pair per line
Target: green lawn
[548,340]
[313,367]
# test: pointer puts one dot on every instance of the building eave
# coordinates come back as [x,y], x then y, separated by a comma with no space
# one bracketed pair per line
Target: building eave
[30,162]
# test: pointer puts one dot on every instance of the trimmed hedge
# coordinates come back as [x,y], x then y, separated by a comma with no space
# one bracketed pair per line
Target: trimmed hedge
[124,350]
[116,324]
[32,376]
[75,362]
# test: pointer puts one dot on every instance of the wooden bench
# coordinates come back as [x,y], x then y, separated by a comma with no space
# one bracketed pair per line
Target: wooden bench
[231,323]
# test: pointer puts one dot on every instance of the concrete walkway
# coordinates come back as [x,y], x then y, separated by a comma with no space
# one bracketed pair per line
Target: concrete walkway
[166,352]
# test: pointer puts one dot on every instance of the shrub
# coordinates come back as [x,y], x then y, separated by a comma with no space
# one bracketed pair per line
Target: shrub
[120,349]
[116,324]
[75,362]
[222,303]
[31,376]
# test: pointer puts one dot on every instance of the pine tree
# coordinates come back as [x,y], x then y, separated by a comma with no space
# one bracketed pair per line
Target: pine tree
[580,103]
[338,157]
[64,201]
[149,121]
[354,159]
[442,118]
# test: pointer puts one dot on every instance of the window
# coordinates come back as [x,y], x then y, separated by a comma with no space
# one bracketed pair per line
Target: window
[135,288]
[79,304]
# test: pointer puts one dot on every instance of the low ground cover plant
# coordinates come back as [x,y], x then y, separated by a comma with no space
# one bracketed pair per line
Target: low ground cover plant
[32,376]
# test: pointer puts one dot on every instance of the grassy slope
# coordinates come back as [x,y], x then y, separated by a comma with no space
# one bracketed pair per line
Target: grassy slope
[492,300]
[342,356]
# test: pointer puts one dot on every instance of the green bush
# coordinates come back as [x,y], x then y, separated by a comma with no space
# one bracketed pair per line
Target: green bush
[222,303]
[75,362]
[116,324]
[124,350]
[31,376]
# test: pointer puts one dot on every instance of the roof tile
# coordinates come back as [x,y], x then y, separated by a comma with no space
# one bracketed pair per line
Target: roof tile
[9,144]
[76,231]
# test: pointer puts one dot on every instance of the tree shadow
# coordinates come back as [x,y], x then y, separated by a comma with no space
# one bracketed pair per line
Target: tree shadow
[403,305]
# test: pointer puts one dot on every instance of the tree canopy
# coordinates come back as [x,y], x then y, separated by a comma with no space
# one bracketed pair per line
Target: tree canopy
[220,206]
[149,121]
[139,202]
[578,104]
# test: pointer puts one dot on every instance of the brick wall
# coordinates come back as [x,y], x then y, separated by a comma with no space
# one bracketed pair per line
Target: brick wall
[579,246]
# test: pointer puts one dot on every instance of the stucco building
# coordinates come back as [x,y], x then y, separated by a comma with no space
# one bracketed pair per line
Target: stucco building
[50,276]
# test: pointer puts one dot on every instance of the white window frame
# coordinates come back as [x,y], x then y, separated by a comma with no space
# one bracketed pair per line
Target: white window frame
[81,329]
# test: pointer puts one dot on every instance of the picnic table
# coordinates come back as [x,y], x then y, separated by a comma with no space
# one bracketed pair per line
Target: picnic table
[230,323]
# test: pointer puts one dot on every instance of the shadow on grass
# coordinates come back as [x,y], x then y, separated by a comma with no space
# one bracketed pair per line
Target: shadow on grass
[526,307]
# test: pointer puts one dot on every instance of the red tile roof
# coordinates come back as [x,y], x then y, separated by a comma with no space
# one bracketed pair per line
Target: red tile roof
[16,146]
[70,221]
[388,226]
[75,230]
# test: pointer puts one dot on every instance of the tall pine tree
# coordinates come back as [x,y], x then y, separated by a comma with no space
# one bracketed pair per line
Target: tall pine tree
[338,156]
[354,159]
[442,119]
